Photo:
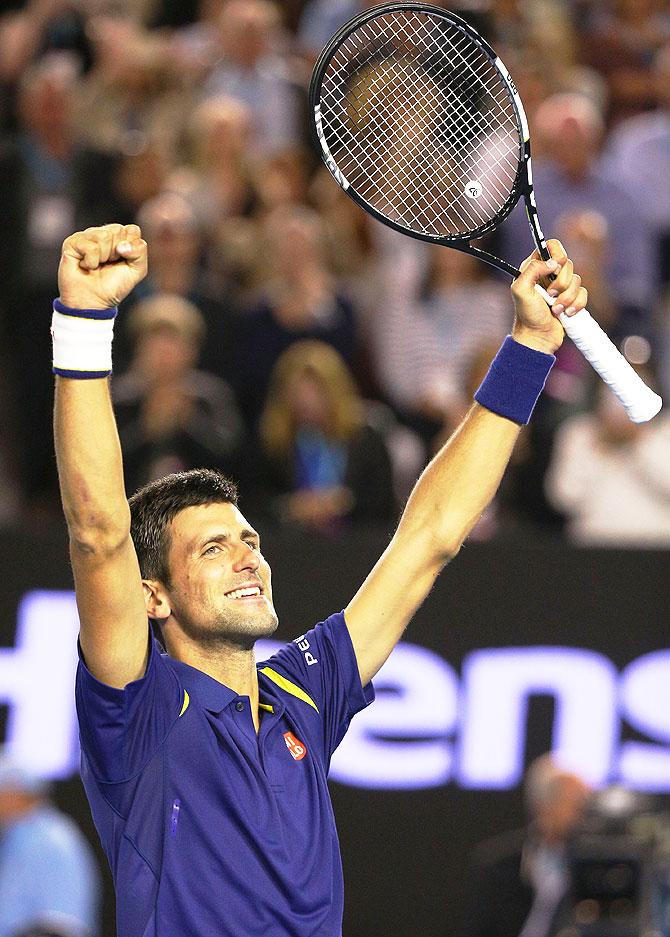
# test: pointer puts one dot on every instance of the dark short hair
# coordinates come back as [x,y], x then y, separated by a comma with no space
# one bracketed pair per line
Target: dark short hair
[153,508]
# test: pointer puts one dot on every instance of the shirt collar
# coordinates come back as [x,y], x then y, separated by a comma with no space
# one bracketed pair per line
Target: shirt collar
[211,694]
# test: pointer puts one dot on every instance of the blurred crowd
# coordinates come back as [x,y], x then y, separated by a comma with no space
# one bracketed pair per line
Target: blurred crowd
[283,335]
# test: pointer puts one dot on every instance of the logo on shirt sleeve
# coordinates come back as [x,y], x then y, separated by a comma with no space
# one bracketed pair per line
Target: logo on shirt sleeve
[304,646]
[297,749]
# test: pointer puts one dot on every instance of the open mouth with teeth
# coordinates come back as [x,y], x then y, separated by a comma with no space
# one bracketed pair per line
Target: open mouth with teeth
[249,592]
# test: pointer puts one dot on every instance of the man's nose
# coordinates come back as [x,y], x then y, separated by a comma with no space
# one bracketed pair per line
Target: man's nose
[247,558]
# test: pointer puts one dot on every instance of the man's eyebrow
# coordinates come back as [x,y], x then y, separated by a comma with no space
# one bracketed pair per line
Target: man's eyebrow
[248,533]
[198,542]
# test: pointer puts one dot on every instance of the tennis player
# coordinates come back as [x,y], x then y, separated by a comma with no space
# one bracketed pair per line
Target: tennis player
[205,771]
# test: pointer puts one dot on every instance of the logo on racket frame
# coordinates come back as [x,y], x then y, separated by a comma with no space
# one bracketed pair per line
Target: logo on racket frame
[330,162]
[473,189]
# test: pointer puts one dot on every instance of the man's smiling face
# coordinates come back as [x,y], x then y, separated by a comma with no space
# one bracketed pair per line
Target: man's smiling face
[220,589]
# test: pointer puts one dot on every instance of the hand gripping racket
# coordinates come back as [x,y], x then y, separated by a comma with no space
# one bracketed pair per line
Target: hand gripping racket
[420,122]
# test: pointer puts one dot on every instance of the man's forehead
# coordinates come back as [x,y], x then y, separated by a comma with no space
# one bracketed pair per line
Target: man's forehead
[193,523]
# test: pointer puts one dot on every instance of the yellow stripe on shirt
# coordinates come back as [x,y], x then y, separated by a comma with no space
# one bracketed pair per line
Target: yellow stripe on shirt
[289,687]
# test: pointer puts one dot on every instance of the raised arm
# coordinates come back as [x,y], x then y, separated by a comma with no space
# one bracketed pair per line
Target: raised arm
[461,480]
[98,268]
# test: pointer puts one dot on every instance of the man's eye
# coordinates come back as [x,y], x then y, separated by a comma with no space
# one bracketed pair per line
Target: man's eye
[213,549]
[252,544]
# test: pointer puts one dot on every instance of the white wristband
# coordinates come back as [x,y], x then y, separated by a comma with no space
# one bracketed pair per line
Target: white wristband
[82,341]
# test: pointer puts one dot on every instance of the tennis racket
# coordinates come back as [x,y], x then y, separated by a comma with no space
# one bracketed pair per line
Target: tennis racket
[420,122]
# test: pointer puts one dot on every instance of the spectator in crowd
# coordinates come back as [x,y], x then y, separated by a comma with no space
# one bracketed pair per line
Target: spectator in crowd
[28,30]
[544,28]
[177,267]
[570,177]
[46,185]
[622,37]
[171,416]
[218,180]
[282,178]
[138,174]
[38,181]
[324,463]
[321,19]
[426,344]
[298,298]
[131,94]
[348,227]
[171,221]
[193,46]
[521,880]
[253,70]
[49,880]
[638,156]
[610,476]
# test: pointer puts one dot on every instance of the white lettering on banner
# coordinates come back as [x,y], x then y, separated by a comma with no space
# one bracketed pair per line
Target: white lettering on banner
[401,740]
[37,683]
[497,685]
[427,727]
[645,702]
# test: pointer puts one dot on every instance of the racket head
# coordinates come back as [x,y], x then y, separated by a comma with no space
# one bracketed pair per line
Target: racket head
[420,123]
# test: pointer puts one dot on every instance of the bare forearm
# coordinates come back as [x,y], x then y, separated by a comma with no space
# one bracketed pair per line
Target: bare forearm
[464,476]
[453,491]
[89,460]
[98,268]
[444,506]
[458,484]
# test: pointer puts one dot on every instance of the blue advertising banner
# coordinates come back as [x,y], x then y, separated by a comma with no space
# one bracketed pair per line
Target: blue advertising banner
[522,648]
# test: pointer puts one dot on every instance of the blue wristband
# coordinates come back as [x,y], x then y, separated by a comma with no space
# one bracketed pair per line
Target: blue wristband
[85,313]
[515,381]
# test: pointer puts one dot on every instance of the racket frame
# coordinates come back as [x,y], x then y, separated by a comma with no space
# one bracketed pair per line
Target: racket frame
[523,184]
[640,402]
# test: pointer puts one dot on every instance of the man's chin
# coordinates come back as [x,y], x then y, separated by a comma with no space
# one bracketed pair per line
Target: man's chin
[245,630]
[267,628]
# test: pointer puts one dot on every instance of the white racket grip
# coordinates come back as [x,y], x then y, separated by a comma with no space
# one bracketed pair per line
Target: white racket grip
[640,401]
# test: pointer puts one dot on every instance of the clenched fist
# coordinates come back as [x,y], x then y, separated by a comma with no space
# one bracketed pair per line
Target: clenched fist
[100,266]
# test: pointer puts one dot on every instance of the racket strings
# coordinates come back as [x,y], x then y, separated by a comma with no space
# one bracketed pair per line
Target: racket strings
[392,179]
[397,172]
[460,109]
[414,113]
[468,121]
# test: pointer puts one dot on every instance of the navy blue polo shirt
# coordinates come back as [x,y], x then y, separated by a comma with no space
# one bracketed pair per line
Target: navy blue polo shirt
[210,829]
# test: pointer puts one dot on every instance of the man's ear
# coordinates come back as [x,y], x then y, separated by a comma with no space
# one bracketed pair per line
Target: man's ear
[156,599]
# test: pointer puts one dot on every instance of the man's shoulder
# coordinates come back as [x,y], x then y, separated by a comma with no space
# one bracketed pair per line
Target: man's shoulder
[299,654]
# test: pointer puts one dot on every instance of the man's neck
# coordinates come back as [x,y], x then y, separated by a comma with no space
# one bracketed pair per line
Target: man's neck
[233,666]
